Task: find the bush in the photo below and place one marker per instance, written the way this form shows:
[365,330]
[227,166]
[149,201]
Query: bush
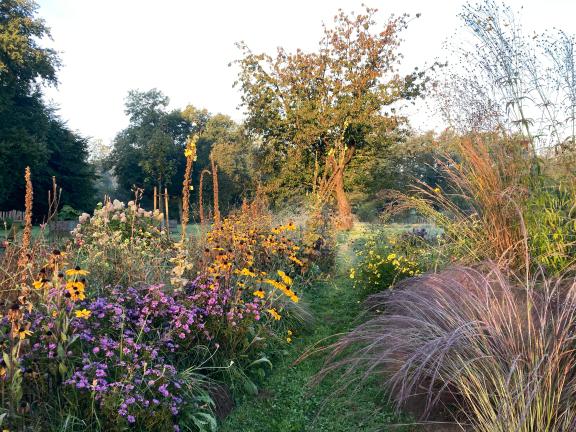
[123,245]
[369,211]
[384,261]
[551,227]
[68,213]
[319,239]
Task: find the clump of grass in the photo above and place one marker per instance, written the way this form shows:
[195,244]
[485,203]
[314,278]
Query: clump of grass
[495,350]
[480,211]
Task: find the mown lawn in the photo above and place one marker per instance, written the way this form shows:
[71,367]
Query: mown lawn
[286,402]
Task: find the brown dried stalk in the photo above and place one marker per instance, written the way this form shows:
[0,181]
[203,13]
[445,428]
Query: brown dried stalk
[155,198]
[54,196]
[215,190]
[166,207]
[27,234]
[200,197]
[186,196]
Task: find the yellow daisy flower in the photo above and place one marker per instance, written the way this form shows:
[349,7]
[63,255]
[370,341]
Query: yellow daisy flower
[83,313]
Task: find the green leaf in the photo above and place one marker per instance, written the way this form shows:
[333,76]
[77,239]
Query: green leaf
[262,360]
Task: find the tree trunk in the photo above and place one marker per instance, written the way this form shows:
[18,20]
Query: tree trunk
[344,210]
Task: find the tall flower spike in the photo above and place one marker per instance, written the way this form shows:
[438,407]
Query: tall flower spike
[190,153]
[26,236]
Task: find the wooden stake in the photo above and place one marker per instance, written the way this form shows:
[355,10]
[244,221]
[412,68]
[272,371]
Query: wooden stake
[166,207]
[155,198]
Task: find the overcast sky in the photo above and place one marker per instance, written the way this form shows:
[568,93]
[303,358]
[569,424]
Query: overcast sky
[183,47]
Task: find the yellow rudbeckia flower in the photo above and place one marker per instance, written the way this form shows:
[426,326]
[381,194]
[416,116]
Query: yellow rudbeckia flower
[274,314]
[83,313]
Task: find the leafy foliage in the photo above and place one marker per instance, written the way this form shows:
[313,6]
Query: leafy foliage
[31,134]
[320,107]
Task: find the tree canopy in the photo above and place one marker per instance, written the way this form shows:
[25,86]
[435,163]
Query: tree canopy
[31,133]
[322,107]
[150,151]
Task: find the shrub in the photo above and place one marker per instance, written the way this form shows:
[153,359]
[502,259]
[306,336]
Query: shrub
[123,245]
[369,211]
[551,227]
[498,352]
[68,213]
[319,239]
[384,261]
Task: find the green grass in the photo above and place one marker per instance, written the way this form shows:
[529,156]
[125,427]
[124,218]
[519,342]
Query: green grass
[286,402]
[192,230]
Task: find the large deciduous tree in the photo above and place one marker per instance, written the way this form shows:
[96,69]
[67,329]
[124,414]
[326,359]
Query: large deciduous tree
[321,107]
[31,134]
[149,152]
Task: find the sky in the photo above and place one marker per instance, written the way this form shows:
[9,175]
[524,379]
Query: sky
[184,47]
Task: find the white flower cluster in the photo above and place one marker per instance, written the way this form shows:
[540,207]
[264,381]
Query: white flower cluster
[116,211]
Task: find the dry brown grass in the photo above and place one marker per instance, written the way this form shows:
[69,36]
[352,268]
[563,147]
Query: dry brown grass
[480,210]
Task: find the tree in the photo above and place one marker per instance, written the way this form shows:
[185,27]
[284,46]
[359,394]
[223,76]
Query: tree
[232,152]
[22,61]
[31,134]
[149,152]
[322,107]
[105,182]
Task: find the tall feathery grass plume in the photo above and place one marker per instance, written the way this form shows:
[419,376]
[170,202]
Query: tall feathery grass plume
[479,210]
[190,153]
[484,347]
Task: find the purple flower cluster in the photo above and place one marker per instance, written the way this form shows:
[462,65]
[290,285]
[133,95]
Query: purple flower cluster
[220,301]
[135,388]
[130,345]
[136,338]
[128,353]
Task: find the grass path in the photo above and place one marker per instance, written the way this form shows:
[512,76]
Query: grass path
[286,402]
